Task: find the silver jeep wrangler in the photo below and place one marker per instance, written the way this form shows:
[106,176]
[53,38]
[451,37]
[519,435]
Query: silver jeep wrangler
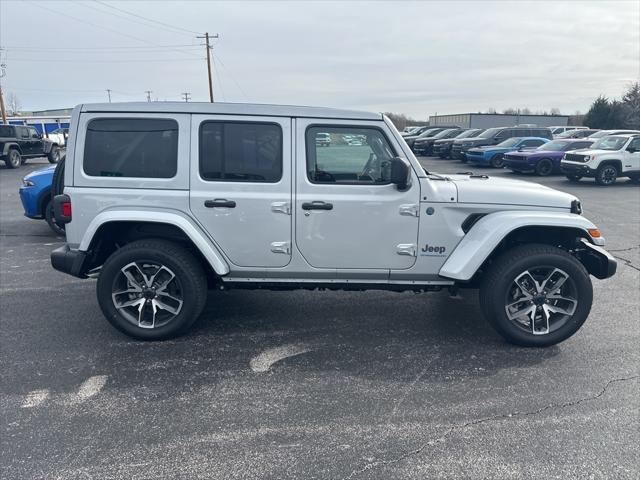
[163,201]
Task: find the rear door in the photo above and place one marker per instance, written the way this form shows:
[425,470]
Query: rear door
[241,186]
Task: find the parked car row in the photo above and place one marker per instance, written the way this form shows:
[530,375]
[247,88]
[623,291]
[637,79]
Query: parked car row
[603,155]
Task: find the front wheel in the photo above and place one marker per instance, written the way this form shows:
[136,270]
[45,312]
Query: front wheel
[573,178]
[497,161]
[536,295]
[606,174]
[544,167]
[152,289]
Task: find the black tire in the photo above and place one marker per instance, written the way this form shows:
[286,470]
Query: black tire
[464,159]
[57,182]
[14,159]
[58,229]
[544,167]
[499,281]
[573,178]
[54,154]
[607,174]
[497,161]
[189,276]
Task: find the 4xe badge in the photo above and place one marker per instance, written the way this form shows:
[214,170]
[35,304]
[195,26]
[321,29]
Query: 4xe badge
[433,251]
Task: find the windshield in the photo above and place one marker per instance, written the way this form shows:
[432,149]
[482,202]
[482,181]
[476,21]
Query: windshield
[610,143]
[430,133]
[554,146]
[510,142]
[469,133]
[445,133]
[492,132]
[600,134]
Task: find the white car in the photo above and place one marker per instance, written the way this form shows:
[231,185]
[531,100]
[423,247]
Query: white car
[557,130]
[59,136]
[163,201]
[607,159]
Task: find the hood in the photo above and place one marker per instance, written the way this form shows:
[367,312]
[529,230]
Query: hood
[589,151]
[494,190]
[442,141]
[41,174]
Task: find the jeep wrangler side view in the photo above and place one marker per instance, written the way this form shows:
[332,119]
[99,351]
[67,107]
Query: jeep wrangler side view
[18,144]
[163,201]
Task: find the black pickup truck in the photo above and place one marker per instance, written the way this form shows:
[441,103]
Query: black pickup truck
[19,143]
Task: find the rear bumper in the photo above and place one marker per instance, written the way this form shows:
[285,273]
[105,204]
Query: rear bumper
[69,261]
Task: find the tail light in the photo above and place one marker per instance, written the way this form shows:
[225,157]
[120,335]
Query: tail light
[62,208]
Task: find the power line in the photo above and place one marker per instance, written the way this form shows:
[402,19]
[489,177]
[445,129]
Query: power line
[147,19]
[99,49]
[131,60]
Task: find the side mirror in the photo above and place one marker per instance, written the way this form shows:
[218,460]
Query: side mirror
[631,149]
[400,173]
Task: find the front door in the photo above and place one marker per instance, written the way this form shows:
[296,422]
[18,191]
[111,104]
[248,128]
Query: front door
[348,214]
[241,186]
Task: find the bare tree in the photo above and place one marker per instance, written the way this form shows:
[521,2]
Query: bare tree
[13,104]
[555,111]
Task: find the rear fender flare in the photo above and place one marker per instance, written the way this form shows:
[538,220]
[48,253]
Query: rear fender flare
[487,233]
[200,239]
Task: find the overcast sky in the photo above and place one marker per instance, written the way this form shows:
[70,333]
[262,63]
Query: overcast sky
[417,58]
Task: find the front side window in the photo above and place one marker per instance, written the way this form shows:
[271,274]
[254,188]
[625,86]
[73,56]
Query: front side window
[354,156]
[131,147]
[240,152]
[33,133]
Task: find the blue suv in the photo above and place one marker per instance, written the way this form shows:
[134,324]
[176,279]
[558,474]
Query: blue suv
[493,155]
[35,194]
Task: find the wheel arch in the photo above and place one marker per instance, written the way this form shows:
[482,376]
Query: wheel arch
[45,196]
[111,230]
[615,162]
[498,232]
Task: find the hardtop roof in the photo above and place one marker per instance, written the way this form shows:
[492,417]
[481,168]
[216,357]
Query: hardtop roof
[230,109]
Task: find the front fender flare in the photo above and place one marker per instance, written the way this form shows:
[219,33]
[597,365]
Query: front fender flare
[199,238]
[490,230]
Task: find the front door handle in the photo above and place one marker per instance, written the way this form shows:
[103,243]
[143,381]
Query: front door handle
[317,206]
[220,202]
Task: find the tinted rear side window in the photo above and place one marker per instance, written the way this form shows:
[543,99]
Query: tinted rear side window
[241,152]
[131,147]
[6,132]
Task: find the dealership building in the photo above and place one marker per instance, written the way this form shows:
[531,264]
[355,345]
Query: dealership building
[488,120]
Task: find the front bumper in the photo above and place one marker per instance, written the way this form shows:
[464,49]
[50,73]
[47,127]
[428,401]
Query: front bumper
[597,260]
[29,196]
[577,169]
[519,165]
[69,261]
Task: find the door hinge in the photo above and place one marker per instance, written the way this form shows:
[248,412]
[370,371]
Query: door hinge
[281,207]
[281,247]
[410,210]
[408,249]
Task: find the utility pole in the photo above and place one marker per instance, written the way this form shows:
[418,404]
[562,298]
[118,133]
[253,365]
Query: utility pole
[4,113]
[208,47]
[148,92]
[186,96]
[109,94]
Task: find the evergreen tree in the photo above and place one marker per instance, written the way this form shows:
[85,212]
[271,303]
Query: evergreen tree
[598,114]
[631,107]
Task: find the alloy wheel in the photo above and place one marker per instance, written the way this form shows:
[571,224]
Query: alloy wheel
[147,294]
[541,300]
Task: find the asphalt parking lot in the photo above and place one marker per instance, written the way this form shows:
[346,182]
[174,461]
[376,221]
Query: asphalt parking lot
[371,385]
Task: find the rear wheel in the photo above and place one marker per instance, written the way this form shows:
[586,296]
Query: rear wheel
[544,167]
[14,159]
[54,154]
[536,295]
[152,289]
[497,161]
[606,174]
[50,218]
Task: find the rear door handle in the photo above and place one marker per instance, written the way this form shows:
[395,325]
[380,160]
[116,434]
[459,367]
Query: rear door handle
[317,206]
[220,202]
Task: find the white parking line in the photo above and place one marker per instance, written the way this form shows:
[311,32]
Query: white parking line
[262,363]
[91,386]
[35,398]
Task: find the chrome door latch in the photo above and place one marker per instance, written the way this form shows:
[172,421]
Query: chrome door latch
[410,210]
[408,249]
[281,247]
[281,207]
